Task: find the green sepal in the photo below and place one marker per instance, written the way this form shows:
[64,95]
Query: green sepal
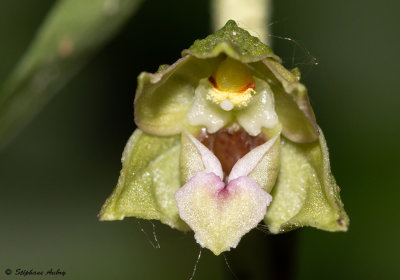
[306,193]
[164,98]
[292,104]
[232,41]
[148,181]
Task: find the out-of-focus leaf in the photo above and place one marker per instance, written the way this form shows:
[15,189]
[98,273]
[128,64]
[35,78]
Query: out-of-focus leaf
[70,35]
[148,181]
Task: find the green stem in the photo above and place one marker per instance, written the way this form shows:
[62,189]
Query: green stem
[252,15]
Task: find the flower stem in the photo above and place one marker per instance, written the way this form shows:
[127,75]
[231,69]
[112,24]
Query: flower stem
[250,14]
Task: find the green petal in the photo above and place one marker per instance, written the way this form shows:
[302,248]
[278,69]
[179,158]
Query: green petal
[163,99]
[306,193]
[232,41]
[291,101]
[148,181]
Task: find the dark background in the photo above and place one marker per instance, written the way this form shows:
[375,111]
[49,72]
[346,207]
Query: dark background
[56,174]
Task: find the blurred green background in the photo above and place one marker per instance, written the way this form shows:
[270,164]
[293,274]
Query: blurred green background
[55,175]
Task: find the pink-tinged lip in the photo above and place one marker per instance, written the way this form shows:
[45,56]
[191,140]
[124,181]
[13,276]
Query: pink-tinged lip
[221,215]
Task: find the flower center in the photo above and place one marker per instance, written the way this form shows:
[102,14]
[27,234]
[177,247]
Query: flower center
[232,84]
[233,76]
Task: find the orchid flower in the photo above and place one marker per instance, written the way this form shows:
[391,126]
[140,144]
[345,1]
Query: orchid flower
[226,139]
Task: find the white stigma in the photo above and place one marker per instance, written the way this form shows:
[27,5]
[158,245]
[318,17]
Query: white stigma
[226,105]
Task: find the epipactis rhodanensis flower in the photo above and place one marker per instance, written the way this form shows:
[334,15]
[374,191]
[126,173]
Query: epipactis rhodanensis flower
[227,138]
